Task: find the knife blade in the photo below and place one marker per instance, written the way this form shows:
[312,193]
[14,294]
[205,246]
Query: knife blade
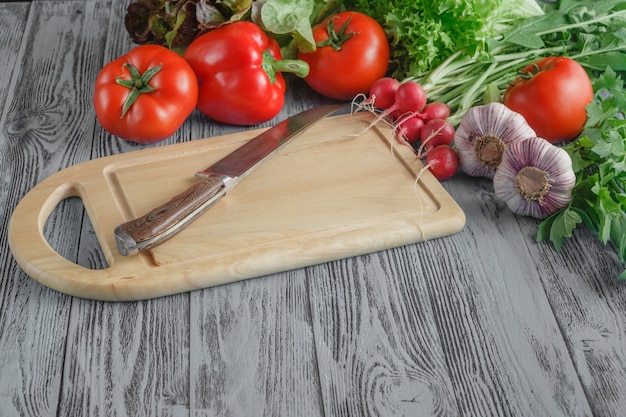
[163,222]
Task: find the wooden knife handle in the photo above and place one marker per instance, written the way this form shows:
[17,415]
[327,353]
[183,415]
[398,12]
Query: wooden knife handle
[165,221]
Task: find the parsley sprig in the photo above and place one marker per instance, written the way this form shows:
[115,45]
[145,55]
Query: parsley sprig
[599,161]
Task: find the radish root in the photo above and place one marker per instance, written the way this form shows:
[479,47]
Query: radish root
[426,167]
[420,152]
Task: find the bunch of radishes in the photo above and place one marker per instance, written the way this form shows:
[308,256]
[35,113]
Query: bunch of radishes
[418,124]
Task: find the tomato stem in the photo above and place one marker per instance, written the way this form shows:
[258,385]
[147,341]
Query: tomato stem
[336,39]
[138,84]
[529,73]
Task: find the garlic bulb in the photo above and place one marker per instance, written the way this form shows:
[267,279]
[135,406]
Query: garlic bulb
[483,135]
[535,178]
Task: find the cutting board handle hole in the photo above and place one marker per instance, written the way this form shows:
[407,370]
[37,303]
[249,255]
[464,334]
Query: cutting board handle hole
[70,232]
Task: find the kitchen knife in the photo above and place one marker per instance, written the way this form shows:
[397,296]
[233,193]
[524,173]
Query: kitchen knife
[165,221]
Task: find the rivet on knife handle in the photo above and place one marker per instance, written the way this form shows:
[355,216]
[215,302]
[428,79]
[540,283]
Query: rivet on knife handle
[163,222]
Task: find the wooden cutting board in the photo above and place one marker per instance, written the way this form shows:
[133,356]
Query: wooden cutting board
[331,193]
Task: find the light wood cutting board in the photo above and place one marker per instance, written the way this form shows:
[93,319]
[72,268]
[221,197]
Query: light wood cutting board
[331,193]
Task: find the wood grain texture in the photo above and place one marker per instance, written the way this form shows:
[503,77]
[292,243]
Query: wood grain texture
[127,359]
[501,303]
[38,110]
[589,305]
[252,350]
[378,350]
[251,342]
[13,21]
[483,323]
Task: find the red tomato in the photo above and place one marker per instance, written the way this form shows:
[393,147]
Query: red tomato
[552,95]
[145,95]
[352,53]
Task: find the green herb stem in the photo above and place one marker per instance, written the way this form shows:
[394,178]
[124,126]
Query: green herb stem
[585,23]
[460,81]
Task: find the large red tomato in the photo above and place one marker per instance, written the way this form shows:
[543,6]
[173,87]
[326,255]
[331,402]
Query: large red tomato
[552,94]
[145,95]
[352,52]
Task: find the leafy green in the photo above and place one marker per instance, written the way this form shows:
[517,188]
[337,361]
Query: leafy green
[176,23]
[289,16]
[599,161]
[425,32]
[560,226]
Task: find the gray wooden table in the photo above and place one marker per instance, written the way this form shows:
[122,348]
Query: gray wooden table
[482,323]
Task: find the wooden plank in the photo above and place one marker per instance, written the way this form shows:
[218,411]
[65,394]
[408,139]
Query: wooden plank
[127,359]
[32,318]
[377,346]
[589,304]
[521,365]
[252,349]
[104,347]
[12,23]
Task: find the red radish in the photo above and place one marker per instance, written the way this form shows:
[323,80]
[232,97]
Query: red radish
[436,110]
[410,98]
[409,129]
[437,132]
[443,162]
[383,92]
[395,116]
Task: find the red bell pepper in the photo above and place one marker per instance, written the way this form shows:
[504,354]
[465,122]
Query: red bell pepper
[239,73]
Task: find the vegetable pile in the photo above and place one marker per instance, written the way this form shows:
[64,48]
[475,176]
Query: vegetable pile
[459,69]
[416,123]
[233,74]
[595,36]
[454,48]
[526,93]
[238,64]
[425,32]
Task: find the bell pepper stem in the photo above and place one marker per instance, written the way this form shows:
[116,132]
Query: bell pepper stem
[272,66]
